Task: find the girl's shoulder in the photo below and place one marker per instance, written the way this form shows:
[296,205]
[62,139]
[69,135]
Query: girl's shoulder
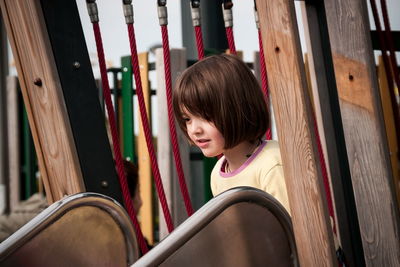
[271,148]
[270,156]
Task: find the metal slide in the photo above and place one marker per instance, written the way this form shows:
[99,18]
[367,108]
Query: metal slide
[86,229]
[240,227]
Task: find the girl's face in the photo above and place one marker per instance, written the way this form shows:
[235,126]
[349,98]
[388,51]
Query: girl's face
[205,135]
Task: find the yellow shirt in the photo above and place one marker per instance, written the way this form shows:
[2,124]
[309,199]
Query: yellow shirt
[262,170]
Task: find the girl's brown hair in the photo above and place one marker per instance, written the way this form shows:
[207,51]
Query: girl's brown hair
[223,90]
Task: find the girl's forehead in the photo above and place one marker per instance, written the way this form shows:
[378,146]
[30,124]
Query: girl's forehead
[186,111]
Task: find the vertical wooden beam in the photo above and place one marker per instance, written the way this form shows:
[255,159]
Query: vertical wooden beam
[293,114]
[389,124]
[330,125]
[13,147]
[43,98]
[3,118]
[367,148]
[179,64]
[80,96]
[164,152]
[145,174]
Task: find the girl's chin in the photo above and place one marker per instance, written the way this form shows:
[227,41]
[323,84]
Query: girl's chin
[210,154]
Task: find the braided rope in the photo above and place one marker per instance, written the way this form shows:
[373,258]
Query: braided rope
[115,140]
[231,40]
[171,120]
[146,129]
[199,42]
[264,80]
[387,66]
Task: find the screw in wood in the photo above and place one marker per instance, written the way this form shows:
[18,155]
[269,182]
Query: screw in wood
[37,82]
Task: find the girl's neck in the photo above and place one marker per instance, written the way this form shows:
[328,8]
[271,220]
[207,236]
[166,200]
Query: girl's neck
[238,155]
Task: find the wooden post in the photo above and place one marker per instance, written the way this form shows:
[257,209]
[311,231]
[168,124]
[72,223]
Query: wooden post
[293,114]
[44,101]
[330,125]
[3,119]
[145,174]
[13,147]
[366,143]
[389,125]
[164,152]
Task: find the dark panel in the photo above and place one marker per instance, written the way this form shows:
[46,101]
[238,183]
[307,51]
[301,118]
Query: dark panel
[81,97]
[341,180]
[213,29]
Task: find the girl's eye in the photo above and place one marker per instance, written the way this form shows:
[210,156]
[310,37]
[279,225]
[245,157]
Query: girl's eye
[186,119]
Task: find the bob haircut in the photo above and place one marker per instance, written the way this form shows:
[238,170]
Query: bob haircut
[222,89]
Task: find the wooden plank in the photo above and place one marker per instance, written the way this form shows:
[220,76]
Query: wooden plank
[3,119]
[58,162]
[330,128]
[366,143]
[178,65]
[389,125]
[164,152]
[13,148]
[297,141]
[144,164]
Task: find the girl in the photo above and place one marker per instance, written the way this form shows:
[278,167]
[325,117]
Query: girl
[220,107]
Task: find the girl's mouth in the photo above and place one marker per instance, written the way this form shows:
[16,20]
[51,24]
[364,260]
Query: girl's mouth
[202,143]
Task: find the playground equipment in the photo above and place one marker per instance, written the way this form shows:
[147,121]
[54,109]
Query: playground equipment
[344,74]
[85,229]
[92,230]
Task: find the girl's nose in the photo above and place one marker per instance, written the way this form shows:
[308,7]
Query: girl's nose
[195,127]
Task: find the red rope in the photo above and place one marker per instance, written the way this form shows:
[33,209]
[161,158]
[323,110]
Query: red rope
[264,80]
[231,41]
[115,140]
[395,108]
[199,42]
[172,128]
[389,39]
[146,129]
[324,174]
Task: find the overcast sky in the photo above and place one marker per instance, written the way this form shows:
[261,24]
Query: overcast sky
[148,33]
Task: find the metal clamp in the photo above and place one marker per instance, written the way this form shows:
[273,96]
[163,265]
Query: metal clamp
[92,10]
[196,15]
[162,15]
[128,12]
[256,19]
[227,12]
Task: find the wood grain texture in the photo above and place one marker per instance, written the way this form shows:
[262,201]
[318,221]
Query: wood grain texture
[145,174]
[296,137]
[48,118]
[164,145]
[366,143]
